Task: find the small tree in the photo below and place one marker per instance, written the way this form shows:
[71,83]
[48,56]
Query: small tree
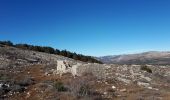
[8,43]
[57,51]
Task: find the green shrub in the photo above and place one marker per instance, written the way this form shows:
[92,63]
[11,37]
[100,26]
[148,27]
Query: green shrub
[84,90]
[3,77]
[60,87]
[146,68]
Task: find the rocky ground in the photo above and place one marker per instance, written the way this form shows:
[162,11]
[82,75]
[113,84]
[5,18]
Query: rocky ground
[29,75]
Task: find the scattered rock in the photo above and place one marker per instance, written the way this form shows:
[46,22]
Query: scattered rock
[143,84]
[123,90]
[124,80]
[113,87]
[105,93]
[150,88]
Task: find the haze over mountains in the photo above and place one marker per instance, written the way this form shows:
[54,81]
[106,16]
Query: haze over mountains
[151,57]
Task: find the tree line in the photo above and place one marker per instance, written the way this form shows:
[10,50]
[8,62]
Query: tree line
[51,50]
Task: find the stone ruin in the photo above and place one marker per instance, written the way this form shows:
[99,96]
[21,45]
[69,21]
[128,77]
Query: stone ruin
[79,68]
[63,67]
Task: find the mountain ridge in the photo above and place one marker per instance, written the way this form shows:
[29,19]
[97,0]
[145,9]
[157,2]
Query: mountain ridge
[150,57]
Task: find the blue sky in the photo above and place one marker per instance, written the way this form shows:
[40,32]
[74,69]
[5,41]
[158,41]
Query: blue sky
[90,27]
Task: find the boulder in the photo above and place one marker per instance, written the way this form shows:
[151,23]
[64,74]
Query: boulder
[113,87]
[143,84]
[123,90]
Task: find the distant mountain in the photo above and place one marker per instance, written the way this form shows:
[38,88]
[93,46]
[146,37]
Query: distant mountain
[151,57]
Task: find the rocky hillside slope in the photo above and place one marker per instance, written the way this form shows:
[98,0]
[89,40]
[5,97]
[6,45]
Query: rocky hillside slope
[30,75]
[153,57]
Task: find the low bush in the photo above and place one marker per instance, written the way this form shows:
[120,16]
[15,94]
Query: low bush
[3,77]
[84,90]
[146,68]
[60,86]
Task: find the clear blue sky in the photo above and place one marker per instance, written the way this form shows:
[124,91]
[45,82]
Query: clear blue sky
[90,27]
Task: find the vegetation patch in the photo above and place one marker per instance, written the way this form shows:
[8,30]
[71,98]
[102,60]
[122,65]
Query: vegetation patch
[146,68]
[60,86]
[3,77]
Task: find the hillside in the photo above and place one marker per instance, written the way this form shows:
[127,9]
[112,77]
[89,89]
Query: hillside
[50,50]
[32,75]
[152,57]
